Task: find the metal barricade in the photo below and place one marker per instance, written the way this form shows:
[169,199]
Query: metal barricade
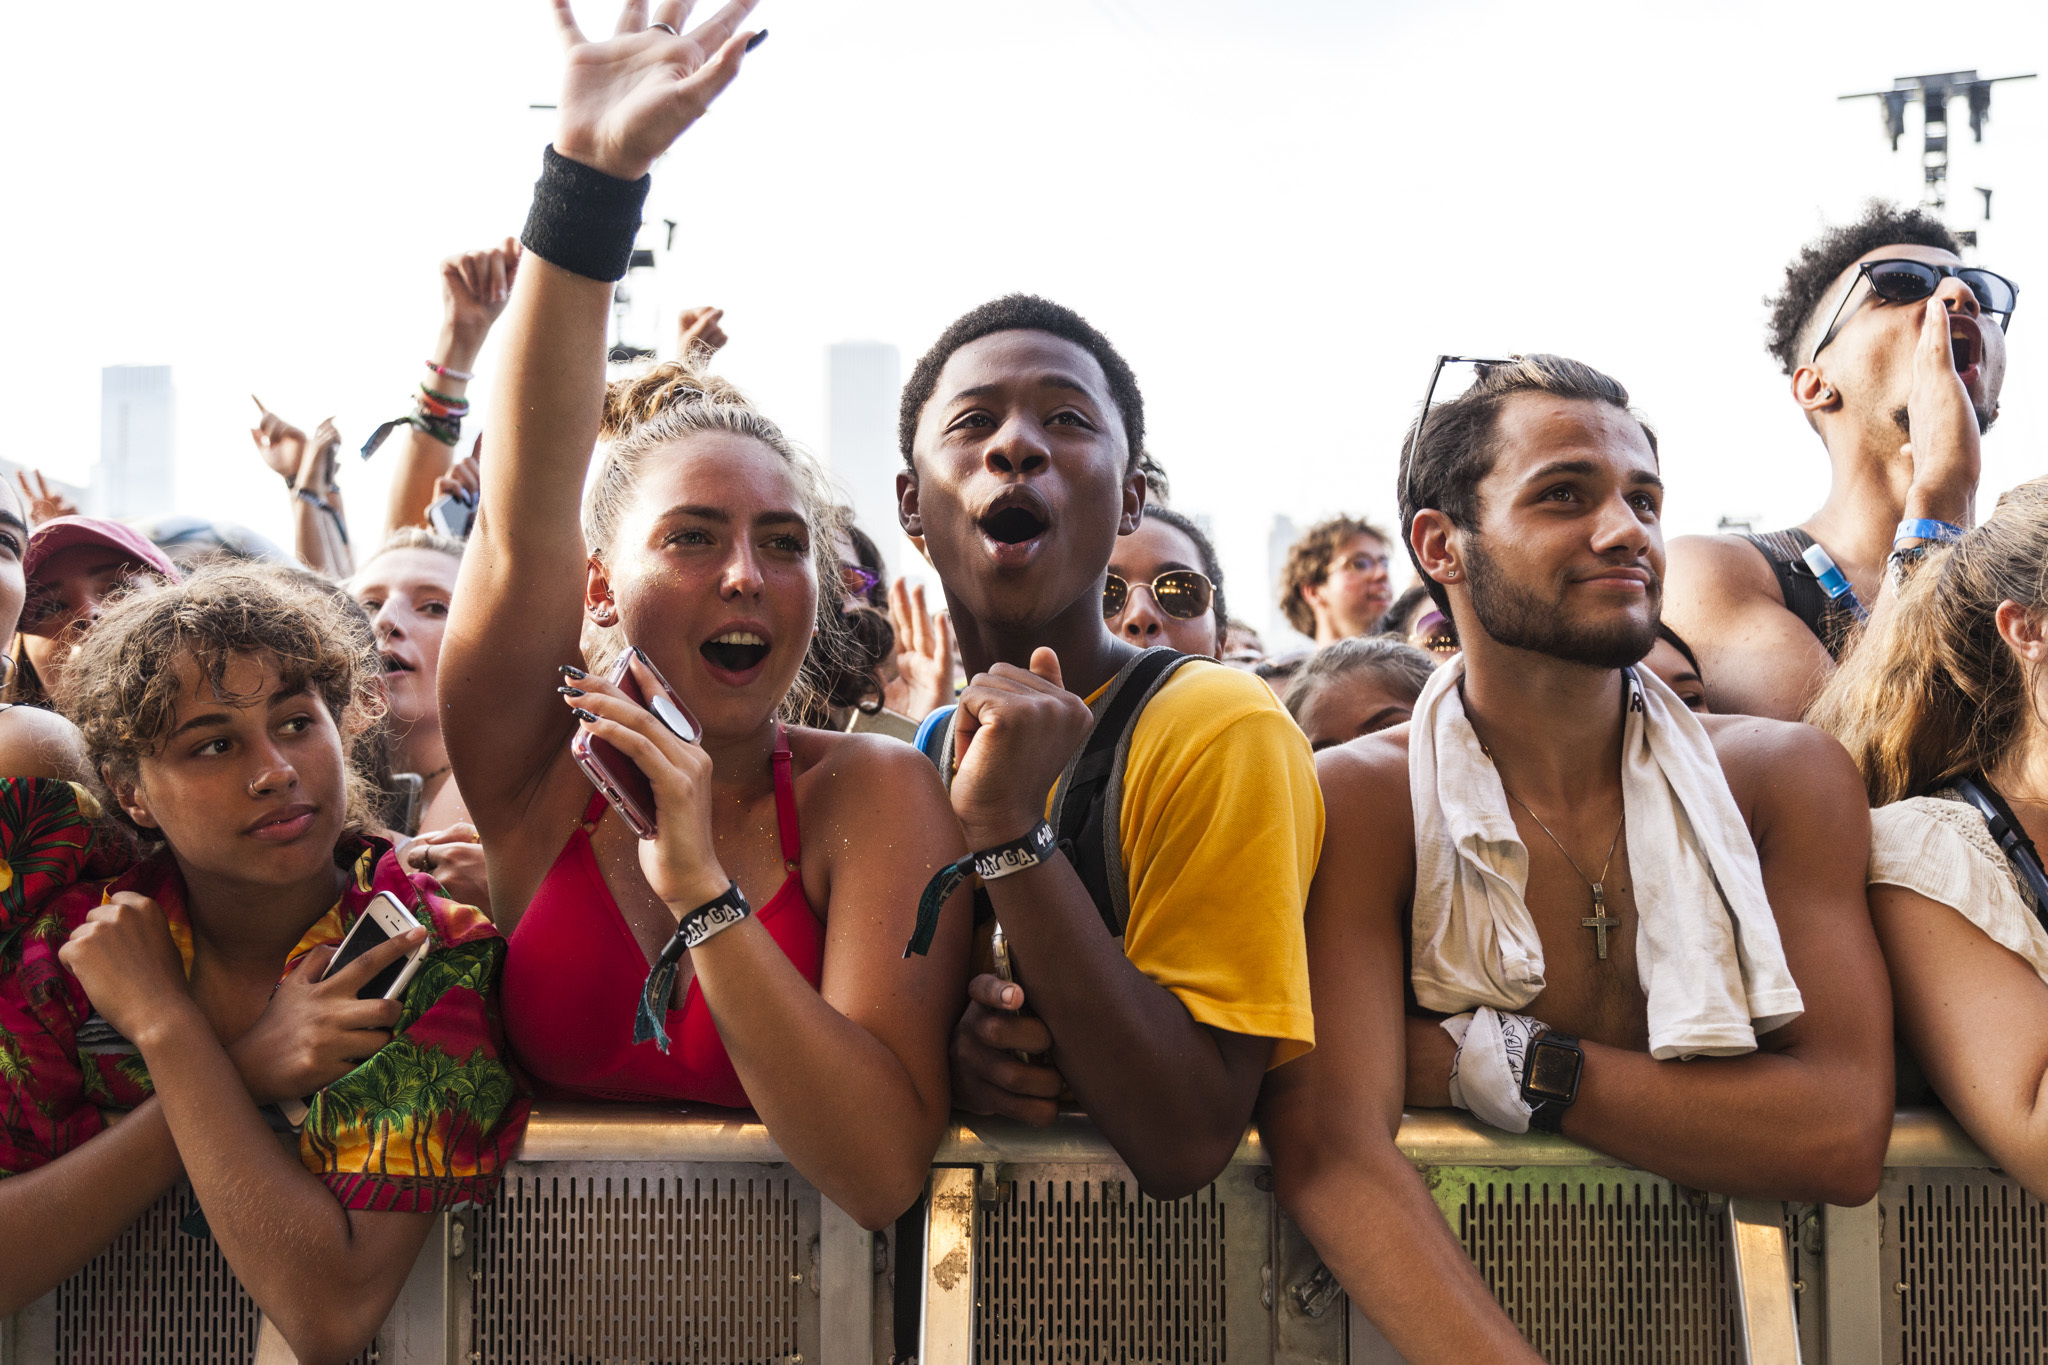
[628,1234]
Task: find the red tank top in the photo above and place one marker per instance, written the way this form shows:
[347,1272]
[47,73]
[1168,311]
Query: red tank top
[573,973]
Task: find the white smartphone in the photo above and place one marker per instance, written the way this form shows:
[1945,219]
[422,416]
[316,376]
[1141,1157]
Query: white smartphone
[382,920]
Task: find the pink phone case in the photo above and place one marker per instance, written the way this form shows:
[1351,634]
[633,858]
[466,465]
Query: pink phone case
[610,771]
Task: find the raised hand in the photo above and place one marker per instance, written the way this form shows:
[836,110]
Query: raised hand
[681,860]
[1017,729]
[626,100]
[1946,444]
[42,501]
[282,445]
[317,469]
[924,654]
[475,286]
[462,478]
[697,330]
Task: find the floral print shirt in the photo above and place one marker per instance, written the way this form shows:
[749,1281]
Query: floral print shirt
[426,1124]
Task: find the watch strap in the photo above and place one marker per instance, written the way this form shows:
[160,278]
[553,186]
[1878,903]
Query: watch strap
[1546,1111]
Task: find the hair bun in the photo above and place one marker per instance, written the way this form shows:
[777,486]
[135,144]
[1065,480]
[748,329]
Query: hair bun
[638,399]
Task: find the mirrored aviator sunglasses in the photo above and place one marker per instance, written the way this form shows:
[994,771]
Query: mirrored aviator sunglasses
[1181,593]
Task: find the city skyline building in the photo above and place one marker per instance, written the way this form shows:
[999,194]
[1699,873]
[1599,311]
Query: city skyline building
[136,470]
[862,379]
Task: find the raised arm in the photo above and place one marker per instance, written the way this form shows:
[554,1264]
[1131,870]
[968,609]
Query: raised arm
[518,610]
[1331,1117]
[475,286]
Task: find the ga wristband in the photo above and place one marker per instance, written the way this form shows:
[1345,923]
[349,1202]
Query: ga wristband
[708,920]
[1926,528]
[990,864]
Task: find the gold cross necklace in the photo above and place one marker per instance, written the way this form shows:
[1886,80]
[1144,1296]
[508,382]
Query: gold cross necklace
[1599,921]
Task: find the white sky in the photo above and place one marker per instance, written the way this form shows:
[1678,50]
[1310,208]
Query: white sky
[1279,212]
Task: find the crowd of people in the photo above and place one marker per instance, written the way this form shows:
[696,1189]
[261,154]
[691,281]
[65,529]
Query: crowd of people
[685,800]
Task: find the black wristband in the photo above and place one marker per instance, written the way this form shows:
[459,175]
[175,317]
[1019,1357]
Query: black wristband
[584,220]
[714,916]
[990,864]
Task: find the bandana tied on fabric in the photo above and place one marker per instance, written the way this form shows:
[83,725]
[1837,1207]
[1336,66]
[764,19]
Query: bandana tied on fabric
[1707,948]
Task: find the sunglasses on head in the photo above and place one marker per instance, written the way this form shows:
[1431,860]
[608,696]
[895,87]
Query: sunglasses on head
[1902,281]
[1181,593]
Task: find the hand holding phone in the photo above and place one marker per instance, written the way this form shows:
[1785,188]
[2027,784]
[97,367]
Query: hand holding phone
[610,771]
[335,1008]
[637,742]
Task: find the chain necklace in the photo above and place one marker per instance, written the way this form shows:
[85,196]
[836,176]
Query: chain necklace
[1599,921]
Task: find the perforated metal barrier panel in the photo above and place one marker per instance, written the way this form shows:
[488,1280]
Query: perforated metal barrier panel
[1968,1251]
[1599,1265]
[1074,1264]
[618,1261]
[630,1236]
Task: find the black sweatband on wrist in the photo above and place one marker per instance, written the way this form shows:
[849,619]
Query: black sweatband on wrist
[584,220]
[990,864]
[713,917]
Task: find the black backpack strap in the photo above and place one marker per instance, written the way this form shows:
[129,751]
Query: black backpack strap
[2011,838]
[1087,802]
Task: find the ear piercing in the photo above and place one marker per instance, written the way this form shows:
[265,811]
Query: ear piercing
[1451,573]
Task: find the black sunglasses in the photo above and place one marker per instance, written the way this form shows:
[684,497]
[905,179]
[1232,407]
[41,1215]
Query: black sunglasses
[1900,281]
[1181,593]
[1415,438]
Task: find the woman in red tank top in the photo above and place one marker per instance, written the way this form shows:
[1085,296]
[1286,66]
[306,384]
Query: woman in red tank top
[707,542]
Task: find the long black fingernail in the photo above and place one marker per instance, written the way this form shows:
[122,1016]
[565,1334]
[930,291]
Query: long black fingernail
[582,714]
[757,40]
[570,691]
[571,670]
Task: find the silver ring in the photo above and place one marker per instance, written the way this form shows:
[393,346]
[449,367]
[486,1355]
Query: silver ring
[668,28]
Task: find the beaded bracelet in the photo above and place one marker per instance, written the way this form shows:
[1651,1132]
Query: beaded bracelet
[447,373]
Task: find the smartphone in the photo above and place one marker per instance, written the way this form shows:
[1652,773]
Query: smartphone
[452,515]
[382,920]
[610,771]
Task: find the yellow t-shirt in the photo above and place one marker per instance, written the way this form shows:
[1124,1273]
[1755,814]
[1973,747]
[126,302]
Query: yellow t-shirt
[1221,826]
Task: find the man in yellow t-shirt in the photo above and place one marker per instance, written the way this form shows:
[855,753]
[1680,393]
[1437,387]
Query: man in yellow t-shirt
[1022,431]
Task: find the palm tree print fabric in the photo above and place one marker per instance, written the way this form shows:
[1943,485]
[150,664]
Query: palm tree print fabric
[424,1125]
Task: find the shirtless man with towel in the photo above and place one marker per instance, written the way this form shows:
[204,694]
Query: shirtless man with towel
[1639,927]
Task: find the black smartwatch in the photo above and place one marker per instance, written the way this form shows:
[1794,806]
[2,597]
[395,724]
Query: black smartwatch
[1550,1079]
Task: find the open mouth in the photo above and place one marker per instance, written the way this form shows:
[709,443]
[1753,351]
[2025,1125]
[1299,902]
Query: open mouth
[736,651]
[393,664]
[1965,343]
[1013,525]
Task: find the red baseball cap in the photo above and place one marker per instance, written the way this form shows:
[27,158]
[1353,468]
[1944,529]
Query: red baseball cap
[58,534]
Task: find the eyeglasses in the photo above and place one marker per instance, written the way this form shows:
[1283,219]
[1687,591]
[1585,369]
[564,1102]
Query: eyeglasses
[1415,440]
[1364,563]
[1181,593]
[857,580]
[1901,281]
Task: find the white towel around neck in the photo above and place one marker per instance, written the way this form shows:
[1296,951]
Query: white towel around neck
[1707,949]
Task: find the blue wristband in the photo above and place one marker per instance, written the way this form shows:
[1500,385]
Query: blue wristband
[1926,528]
